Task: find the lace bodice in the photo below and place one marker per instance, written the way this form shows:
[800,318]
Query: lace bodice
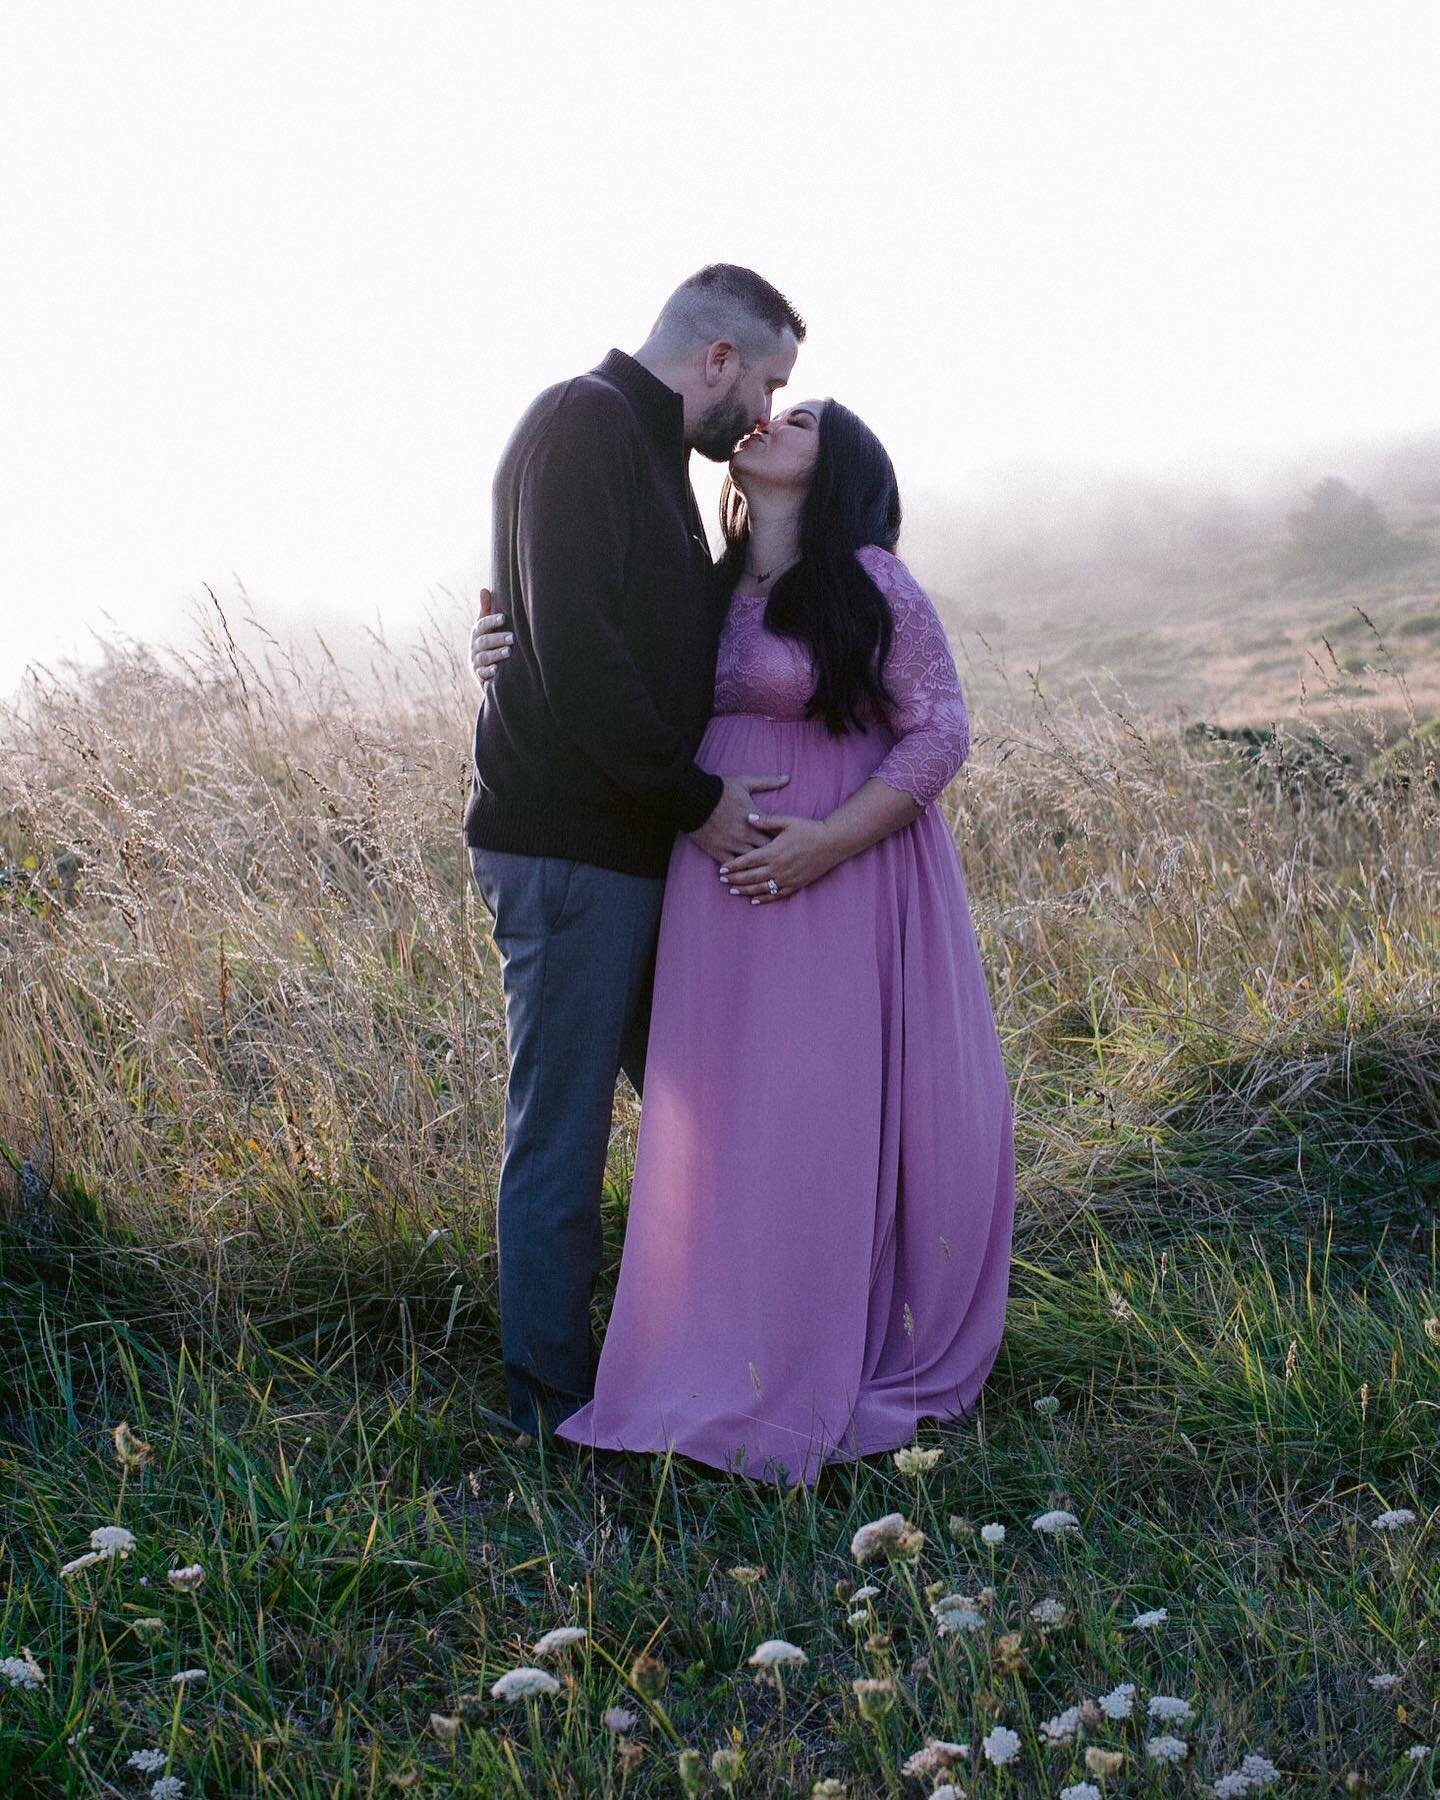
[757,672]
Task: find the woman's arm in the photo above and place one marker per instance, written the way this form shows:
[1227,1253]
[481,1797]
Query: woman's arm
[932,730]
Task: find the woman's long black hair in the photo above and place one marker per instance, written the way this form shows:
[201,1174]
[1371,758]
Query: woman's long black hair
[827,602]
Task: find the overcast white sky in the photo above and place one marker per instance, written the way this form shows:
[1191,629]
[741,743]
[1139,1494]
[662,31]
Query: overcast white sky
[278,278]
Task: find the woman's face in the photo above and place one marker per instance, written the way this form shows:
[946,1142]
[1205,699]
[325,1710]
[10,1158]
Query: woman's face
[781,454]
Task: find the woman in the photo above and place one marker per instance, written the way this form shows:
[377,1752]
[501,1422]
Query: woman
[818,1244]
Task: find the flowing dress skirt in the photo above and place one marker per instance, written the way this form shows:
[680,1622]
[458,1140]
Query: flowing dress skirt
[817,1251]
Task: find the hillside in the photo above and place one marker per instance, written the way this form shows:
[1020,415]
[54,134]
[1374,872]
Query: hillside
[1195,616]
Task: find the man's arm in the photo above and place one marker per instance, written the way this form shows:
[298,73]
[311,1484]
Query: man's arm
[728,831]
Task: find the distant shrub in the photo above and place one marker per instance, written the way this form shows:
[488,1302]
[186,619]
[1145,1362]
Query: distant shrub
[1340,533]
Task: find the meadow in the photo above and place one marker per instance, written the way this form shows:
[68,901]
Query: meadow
[251,1079]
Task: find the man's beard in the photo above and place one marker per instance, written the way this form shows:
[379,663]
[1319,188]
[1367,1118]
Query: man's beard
[721,429]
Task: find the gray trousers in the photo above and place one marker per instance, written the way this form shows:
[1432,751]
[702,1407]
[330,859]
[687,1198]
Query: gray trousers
[577,945]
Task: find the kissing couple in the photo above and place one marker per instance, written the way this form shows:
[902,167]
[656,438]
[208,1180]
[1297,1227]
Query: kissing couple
[704,821]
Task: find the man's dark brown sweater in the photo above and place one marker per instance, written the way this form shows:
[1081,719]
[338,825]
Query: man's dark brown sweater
[585,741]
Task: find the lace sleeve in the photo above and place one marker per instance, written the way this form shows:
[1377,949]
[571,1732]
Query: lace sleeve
[930,719]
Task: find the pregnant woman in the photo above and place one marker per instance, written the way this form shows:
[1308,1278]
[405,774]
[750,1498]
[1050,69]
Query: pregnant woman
[817,1252]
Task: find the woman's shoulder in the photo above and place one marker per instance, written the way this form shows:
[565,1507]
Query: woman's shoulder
[889,573]
[876,559]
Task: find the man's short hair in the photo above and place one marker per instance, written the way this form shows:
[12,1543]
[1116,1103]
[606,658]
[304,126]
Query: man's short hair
[724,300]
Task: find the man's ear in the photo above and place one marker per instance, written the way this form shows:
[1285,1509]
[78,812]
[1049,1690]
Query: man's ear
[721,361]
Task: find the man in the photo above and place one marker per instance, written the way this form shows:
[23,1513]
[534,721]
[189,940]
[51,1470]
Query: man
[584,769]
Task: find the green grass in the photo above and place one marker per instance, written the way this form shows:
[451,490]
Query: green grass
[372,1555]
[251,1068]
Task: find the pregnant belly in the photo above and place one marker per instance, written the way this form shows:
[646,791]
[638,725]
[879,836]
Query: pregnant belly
[823,770]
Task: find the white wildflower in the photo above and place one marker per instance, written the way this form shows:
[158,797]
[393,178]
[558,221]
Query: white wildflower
[146,1761]
[874,1695]
[857,1618]
[892,1535]
[1055,1523]
[936,1754]
[1251,1775]
[912,1460]
[1144,1621]
[1049,1611]
[1119,1702]
[1171,1708]
[992,1534]
[947,1790]
[22,1671]
[1254,1772]
[523,1684]
[1382,1682]
[619,1718]
[81,1562]
[1080,1790]
[1418,1752]
[188,1677]
[864,1593]
[111,1540]
[168,1787]
[186,1580]
[775,1653]
[1002,1744]
[956,1612]
[1062,1728]
[1392,1521]
[1047,1405]
[561,1638]
[1166,1749]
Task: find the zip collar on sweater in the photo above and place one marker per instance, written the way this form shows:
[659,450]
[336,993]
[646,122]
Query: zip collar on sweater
[659,405]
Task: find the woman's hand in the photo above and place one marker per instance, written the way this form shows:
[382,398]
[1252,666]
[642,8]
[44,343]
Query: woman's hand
[799,852]
[489,645]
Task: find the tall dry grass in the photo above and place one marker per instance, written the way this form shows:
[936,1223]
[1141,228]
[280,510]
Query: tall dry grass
[248,1004]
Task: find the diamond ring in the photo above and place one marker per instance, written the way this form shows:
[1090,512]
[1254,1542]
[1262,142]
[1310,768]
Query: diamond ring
[773,885]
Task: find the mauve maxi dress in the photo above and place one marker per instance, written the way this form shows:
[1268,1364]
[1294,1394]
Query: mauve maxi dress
[817,1253]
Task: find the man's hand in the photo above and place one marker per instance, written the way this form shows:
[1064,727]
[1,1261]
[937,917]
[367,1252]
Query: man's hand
[799,851]
[489,644]
[730,830]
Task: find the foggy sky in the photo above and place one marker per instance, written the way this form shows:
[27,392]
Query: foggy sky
[279,278]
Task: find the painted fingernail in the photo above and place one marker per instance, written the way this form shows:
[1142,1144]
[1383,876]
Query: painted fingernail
[506,651]
[725,870]
[752,818]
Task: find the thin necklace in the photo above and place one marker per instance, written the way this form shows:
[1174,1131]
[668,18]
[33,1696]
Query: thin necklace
[777,570]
